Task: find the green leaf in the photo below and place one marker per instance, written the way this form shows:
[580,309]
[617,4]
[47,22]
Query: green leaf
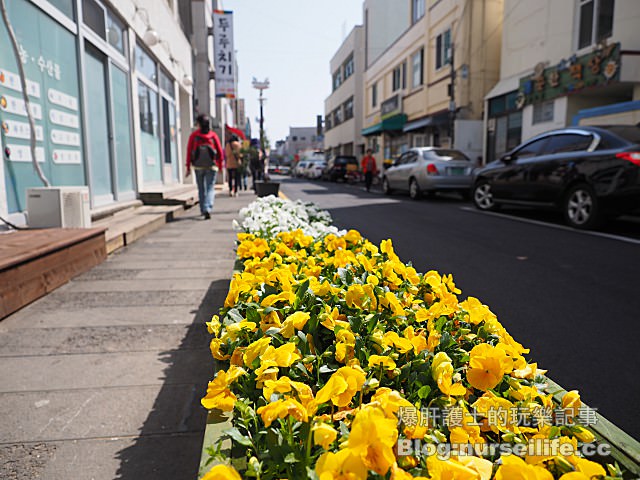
[424,392]
[235,315]
[253,315]
[235,434]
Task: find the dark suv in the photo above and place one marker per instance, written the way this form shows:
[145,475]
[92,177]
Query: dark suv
[338,166]
[585,172]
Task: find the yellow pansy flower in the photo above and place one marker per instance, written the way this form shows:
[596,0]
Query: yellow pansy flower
[442,373]
[218,393]
[373,437]
[293,322]
[487,366]
[324,435]
[380,360]
[222,472]
[449,469]
[255,349]
[281,409]
[418,340]
[215,345]
[342,465]
[402,345]
[342,386]
[514,468]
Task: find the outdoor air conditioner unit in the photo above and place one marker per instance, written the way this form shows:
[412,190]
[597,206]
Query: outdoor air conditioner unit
[58,207]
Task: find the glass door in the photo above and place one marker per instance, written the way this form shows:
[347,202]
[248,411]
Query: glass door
[169,140]
[98,131]
[122,144]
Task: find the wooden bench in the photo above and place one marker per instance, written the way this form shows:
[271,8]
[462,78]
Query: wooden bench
[35,262]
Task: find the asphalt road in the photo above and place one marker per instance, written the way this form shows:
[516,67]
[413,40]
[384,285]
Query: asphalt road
[572,297]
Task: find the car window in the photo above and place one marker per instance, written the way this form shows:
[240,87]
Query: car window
[531,149]
[402,159]
[567,142]
[412,157]
[447,154]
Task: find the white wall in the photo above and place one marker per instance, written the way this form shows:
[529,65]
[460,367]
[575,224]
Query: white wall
[387,21]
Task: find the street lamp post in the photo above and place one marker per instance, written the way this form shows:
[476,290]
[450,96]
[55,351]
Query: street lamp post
[261,86]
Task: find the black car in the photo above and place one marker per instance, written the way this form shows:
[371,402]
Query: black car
[338,166]
[588,173]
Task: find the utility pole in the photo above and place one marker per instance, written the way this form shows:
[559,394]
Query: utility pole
[452,95]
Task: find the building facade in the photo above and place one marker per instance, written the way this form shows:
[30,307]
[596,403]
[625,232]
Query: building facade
[582,67]
[300,140]
[343,108]
[111,87]
[428,86]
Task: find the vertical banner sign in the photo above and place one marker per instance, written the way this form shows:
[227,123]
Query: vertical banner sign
[224,53]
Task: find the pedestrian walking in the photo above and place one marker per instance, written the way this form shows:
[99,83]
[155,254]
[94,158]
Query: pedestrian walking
[369,168]
[255,166]
[205,157]
[232,154]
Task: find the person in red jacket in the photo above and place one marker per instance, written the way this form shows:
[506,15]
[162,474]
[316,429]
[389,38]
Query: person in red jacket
[369,168]
[206,157]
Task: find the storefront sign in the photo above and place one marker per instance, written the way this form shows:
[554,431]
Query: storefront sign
[390,107]
[224,53]
[595,69]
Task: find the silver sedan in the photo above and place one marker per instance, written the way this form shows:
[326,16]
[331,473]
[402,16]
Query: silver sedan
[427,170]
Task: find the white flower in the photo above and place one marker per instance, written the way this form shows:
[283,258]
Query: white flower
[270,215]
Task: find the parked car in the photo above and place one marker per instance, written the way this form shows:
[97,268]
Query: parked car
[585,172]
[314,169]
[298,170]
[338,166]
[427,170]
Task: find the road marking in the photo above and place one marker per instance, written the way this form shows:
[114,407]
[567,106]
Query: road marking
[551,225]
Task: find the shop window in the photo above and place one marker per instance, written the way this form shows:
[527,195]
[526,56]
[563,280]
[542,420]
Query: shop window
[145,65]
[93,17]
[166,84]
[596,21]
[543,112]
[416,66]
[116,33]
[148,105]
[65,6]
[443,49]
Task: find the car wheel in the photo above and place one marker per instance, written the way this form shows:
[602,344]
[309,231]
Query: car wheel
[414,189]
[483,196]
[386,189]
[580,208]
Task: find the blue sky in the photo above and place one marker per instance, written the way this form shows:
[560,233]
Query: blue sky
[290,42]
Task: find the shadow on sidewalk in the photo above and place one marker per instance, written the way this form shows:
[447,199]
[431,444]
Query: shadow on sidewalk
[170,441]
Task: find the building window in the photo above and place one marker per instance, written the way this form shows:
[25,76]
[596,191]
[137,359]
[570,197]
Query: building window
[145,65]
[348,67]
[327,122]
[596,21]
[397,78]
[374,95]
[148,105]
[543,112]
[337,116]
[93,17]
[417,10]
[443,49]
[337,79]
[416,68]
[348,109]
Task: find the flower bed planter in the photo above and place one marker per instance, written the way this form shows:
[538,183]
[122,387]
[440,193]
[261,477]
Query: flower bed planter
[333,352]
[264,189]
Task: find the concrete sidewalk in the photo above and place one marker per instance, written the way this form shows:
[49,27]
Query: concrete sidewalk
[102,378]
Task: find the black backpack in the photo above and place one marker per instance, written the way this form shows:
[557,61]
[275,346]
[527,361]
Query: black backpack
[203,154]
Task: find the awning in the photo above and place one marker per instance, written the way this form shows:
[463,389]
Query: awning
[236,131]
[430,121]
[505,85]
[394,123]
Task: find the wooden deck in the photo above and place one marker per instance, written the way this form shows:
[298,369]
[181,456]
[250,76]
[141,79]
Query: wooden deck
[35,262]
